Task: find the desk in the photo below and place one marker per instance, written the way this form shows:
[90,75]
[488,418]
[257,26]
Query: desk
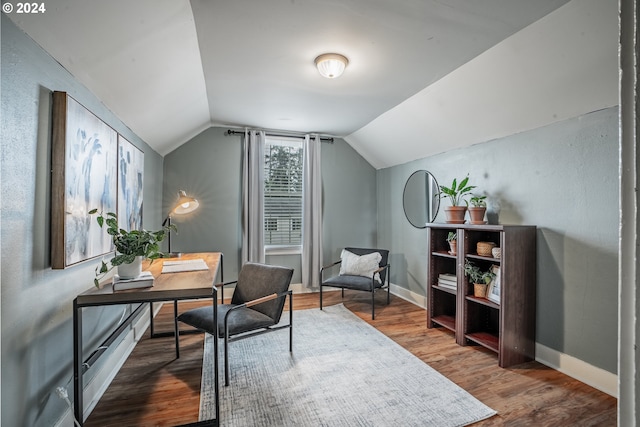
[167,287]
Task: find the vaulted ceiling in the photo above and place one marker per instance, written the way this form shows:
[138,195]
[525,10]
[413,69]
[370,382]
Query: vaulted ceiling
[171,68]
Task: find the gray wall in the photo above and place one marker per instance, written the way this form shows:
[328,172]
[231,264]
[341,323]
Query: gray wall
[37,335]
[563,178]
[209,167]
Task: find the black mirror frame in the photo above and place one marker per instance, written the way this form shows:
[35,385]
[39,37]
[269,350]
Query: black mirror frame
[432,196]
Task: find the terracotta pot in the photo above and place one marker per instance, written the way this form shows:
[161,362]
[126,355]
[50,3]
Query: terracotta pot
[477,214]
[453,245]
[455,214]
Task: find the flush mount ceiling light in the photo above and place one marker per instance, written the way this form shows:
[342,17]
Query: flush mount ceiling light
[331,65]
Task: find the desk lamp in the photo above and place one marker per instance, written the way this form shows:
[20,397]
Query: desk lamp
[184,205]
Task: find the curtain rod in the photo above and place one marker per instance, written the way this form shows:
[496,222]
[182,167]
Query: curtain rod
[282,135]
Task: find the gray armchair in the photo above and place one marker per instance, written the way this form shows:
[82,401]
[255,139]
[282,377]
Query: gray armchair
[256,307]
[355,277]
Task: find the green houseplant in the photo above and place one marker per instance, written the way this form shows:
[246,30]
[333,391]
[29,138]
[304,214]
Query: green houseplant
[452,238]
[479,278]
[131,247]
[477,209]
[456,193]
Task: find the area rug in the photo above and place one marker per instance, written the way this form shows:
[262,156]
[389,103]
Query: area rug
[342,372]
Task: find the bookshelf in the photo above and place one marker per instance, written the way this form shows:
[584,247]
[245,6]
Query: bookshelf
[506,326]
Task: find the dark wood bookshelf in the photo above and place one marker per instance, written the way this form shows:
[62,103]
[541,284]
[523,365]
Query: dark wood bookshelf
[506,328]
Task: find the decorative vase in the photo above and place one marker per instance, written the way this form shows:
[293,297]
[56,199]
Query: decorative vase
[496,252]
[132,270]
[477,214]
[455,214]
[453,245]
[480,290]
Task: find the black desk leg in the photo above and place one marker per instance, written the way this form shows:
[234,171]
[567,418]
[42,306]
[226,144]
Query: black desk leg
[176,333]
[78,391]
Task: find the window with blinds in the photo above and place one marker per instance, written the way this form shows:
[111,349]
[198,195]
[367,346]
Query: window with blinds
[282,192]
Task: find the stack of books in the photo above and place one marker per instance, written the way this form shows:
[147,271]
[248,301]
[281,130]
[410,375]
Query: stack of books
[144,280]
[449,281]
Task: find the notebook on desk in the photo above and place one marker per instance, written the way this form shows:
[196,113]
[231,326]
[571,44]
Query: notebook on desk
[184,265]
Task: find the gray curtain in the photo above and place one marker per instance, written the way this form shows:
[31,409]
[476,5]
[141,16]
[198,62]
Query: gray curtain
[311,213]
[252,197]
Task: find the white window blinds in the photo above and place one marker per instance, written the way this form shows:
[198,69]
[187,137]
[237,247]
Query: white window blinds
[283,192]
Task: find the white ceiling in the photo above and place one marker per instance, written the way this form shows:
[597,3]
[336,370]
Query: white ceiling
[171,68]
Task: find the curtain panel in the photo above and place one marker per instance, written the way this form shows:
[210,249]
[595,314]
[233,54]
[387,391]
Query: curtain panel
[311,212]
[252,197]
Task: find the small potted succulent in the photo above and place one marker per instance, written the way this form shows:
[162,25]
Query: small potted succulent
[477,209]
[479,278]
[456,212]
[452,238]
[131,247]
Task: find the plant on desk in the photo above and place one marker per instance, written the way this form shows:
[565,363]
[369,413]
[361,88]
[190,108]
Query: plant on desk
[131,247]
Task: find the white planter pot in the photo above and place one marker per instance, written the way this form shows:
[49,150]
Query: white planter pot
[132,270]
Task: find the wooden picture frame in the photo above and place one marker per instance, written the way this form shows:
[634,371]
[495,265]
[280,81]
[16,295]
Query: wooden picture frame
[130,185]
[493,291]
[83,177]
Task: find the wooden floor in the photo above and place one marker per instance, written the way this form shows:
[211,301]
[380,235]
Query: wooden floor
[155,389]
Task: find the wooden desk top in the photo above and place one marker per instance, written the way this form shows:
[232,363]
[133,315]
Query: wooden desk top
[167,286]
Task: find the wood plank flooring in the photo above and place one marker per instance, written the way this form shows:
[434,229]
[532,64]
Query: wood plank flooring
[155,389]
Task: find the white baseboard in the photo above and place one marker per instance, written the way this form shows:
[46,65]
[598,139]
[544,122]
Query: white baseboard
[407,295]
[582,371]
[94,390]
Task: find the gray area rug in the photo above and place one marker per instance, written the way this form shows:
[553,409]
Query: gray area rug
[342,372]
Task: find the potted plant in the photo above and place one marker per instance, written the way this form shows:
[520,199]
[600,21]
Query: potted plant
[477,209]
[452,238]
[455,213]
[131,247]
[479,278]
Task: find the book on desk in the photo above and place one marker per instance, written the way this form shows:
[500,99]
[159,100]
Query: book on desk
[144,280]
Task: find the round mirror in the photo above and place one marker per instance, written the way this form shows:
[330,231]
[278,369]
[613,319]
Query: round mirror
[421,198]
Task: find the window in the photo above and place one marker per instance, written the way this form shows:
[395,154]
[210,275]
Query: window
[282,192]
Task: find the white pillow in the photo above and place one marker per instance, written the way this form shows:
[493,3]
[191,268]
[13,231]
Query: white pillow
[356,265]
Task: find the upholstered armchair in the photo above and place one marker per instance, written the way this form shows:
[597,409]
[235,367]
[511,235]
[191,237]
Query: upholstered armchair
[360,270]
[256,307]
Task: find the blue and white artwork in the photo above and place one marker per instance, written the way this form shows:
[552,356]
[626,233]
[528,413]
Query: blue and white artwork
[130,175]
[90,183]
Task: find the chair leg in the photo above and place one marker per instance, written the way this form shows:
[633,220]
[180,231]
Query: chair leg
[373,305]
[291,323]
[226,356]
[342,290]
[320,296]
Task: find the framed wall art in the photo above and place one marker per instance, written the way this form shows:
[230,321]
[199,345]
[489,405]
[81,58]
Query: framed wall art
[130,177]
[84,177]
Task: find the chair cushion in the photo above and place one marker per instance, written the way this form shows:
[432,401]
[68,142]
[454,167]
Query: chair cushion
[240,320]
[360,265]
[359,283]
[200,318]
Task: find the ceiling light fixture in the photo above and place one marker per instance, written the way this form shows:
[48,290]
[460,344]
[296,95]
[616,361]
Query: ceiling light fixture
[331,65]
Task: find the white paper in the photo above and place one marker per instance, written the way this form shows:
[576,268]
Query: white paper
[184,265]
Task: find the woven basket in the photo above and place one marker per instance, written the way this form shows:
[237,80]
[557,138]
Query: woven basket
[480,290]
[484,248]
